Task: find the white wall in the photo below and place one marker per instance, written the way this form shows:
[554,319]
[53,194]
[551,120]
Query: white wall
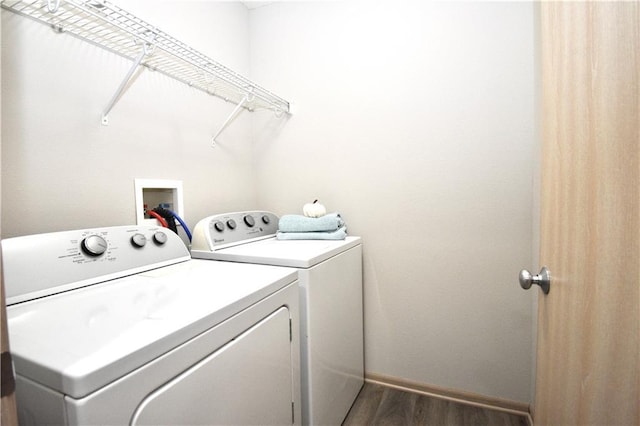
[536,160]
[415,120]
[0,141]
[61,169]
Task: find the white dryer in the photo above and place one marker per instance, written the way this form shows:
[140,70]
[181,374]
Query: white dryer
[119,326]
[331,311]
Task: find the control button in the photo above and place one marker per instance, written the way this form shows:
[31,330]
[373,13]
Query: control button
[160,237]
[138,240]
[94,245]
[231,224]
[265,219]
[249,221]
[219,226]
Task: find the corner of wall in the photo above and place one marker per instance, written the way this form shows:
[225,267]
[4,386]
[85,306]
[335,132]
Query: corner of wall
[536,185]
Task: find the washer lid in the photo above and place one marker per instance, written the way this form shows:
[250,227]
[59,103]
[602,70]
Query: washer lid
[292,253]
[77,342]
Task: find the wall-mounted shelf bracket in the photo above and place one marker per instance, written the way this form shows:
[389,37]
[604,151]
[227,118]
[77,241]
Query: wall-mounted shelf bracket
[147,49]
[247,98]
[53,5]
[102,23]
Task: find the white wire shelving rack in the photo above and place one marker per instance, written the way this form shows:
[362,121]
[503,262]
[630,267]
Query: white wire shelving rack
[104,24]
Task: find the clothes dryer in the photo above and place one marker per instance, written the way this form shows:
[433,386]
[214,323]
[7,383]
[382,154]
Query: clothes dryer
[119,326]
[331,311]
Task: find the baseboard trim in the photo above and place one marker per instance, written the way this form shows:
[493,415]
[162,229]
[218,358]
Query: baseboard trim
[469,398]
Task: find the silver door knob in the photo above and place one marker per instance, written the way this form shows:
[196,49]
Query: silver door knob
[543,279]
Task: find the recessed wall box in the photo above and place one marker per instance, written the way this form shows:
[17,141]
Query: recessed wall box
[150,193]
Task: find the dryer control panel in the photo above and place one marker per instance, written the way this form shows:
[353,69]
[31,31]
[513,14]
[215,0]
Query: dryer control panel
[43,264]
[223,230]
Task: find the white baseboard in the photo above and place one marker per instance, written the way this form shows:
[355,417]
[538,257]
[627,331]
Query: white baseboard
[468,398]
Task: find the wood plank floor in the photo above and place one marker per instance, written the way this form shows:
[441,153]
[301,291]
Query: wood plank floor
[382,405]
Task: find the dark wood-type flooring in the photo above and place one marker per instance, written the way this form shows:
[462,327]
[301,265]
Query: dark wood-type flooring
[382,405]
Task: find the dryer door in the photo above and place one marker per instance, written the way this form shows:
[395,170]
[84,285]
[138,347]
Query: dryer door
[247,381]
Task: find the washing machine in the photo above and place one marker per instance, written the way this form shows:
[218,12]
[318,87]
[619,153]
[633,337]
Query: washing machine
[120,326]
[331,311]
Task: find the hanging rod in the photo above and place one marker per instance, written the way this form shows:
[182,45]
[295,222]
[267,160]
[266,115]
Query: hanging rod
[106,25]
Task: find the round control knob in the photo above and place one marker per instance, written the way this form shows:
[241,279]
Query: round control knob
[94,245]
[249,221]
[231,224]
[160,237]
[219,226]
[265,219]
[138,240]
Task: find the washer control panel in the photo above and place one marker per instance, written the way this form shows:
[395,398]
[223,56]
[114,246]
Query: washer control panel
[44,264]
[219,231]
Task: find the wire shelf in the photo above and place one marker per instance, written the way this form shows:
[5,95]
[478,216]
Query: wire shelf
[106,25]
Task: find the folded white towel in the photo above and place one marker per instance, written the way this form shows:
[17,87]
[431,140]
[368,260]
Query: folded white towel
[339,234]
[297,223]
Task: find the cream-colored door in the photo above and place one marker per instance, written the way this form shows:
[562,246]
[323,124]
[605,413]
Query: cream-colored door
[588,325]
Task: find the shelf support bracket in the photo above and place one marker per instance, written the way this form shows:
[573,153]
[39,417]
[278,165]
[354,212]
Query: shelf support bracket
[146,50]
[247,98]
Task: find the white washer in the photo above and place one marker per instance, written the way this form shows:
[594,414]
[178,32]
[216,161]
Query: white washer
[119,326]
[331,313]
